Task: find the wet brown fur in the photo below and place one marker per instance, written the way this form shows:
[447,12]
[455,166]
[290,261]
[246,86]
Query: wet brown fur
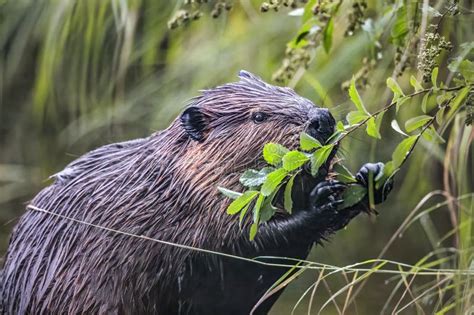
[164,187]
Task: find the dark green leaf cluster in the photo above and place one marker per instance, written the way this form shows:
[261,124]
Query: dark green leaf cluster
[264,184]
[284,164]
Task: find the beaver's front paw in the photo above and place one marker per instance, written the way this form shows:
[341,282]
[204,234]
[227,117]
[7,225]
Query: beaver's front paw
[380,193]
[326,197]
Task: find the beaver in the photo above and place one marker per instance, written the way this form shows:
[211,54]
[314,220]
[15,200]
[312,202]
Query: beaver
[165,187]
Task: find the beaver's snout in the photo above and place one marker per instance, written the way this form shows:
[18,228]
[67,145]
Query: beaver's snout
[321,124]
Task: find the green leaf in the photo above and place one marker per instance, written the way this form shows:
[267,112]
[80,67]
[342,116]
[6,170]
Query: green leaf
[272,181]
[241,202]
[397,128]
[308,143]
[257,207]
[256,216]
[294,159]
[440,115]
[268,210]
[378,120]
[355,98]
[242,214]
[273,153]
[444,98]
[288,201]
[253,231]
[308,12]
[343,174]
[372,129]
[300,39]
[434,77]
[462,65]
[389,169]
[402,150]
[319,158]
[254,178]
[352,196]
[356,117]
[335,137]
[402,100]
[424,102]
[387,172]
[431,135]
[458,100]
[340,126]
[400,27]
[417,122]
[416,85]
[466,68]
[396,89]
[327,35]
[229,193]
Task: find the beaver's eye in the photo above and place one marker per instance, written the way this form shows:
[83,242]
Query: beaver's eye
[258,117]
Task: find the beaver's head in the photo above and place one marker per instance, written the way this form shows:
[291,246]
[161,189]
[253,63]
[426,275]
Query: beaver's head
[231,123]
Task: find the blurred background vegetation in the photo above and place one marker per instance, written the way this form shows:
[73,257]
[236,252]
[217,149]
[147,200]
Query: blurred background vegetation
[75,75]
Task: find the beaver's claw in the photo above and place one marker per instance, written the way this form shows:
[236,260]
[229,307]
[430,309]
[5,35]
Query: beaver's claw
[376,169]
[326,196]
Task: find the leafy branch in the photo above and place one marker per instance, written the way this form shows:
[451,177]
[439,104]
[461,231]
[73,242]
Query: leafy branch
[397,102]
[284,165]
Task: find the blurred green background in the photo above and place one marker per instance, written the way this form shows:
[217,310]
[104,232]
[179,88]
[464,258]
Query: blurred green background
[75,75]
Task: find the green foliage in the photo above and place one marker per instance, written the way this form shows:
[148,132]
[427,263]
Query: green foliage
[352,196]
[273,181]
[356,99]
[401,26]
[239,203]
[80,74]
[319,157]
[254,178]
[373,129]
[417,122]
[273,153]
[289,163]
[402,150]
[293,160]
[265,183]
[415,84]
[327,35]
[356,117]
[288,201]
[308,143]
[343,174]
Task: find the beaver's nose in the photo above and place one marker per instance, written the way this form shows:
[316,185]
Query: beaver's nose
[321,124]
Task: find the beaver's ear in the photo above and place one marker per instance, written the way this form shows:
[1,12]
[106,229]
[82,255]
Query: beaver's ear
[251,79]
[194,123]
[245,75]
